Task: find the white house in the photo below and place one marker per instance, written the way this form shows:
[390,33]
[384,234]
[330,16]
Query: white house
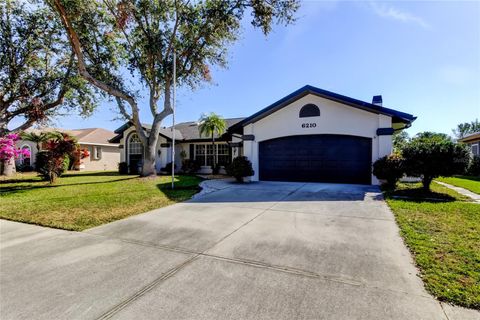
[309,135]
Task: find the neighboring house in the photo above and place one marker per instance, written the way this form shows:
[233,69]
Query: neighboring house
[309,135]
[473,140]
[103,155]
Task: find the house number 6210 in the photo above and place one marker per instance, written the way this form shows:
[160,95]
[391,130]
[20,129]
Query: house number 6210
[309,125]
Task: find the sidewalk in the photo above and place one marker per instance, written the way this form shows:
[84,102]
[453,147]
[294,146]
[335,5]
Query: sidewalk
[475,197]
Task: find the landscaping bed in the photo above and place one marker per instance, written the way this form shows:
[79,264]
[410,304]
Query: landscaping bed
[444,238]
[78,201]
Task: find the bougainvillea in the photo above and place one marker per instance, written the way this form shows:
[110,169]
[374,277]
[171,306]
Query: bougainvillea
[8,150]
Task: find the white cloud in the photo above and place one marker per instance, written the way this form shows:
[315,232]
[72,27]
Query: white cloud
[387,11]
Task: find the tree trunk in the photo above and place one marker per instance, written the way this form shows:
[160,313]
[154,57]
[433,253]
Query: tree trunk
[148,168]
[426,181]
[9,167]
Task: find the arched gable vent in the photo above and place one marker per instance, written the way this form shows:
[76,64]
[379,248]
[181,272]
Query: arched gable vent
[309,110]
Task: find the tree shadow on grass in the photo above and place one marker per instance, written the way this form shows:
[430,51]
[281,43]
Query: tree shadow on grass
[185,187]
[8,181]
[70,174]
[417,194]
[20,189]
[94,174]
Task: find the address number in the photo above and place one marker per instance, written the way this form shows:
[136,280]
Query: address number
[309,125]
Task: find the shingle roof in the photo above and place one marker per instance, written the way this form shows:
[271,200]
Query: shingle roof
[184,131]
[190,129]
[87,135]
[471,137]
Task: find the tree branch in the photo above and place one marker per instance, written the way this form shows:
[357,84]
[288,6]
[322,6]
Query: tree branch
[77,47]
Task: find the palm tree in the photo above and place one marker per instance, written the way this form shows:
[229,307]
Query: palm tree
[211,125]
[37,138]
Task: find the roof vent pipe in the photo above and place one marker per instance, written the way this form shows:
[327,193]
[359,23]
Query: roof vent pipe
[377,100]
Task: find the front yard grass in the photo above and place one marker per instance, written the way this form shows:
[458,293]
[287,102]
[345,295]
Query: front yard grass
[467,182]
[78,201]
[444,237]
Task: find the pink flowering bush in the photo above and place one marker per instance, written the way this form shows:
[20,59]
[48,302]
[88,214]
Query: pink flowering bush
[8,150]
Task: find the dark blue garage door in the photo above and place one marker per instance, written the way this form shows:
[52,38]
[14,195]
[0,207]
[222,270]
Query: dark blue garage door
[319,158]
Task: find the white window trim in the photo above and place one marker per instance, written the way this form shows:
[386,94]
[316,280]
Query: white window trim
[129,149]
[477,146]
[205,154]
[97,153]
[22,159]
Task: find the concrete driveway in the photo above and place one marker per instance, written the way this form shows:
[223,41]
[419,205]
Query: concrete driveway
[254,251]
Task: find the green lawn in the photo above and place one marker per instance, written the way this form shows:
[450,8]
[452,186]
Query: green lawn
[79,201]
[467,182]
[444,237]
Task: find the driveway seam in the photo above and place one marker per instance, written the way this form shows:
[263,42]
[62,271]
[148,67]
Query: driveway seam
[150,286]
[112,311]
[258,264]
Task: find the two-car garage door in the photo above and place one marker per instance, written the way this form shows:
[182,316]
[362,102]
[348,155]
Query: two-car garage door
[320,158]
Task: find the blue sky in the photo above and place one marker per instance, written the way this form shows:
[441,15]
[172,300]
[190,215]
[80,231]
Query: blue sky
[423,57]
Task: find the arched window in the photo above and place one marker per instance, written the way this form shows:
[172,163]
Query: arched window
[309,110]
[26,160]
[135,145]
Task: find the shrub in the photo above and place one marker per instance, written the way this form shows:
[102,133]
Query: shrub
[240,168]
[9,152]
[55,159]
[429,157]
[123,168]
[190,166]
[168,168]
[474,166]
[389,168]
[66,163]
[49,166]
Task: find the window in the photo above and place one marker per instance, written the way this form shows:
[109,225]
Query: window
[204,153]
[309,110]
[223,154]
[97,153]
[475,149]
[135,145]
[135,153]
[26,160]
[200,153]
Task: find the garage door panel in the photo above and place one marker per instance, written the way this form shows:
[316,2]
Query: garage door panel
[328,158]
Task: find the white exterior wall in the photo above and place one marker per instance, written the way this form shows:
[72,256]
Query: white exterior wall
[33,151]
[335,118]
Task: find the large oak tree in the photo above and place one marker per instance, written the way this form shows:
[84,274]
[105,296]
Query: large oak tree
[111,36]
[38,75]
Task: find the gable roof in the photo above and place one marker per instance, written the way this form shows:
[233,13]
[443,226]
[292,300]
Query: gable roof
[164,132]
[95,136]
[184,131]
[190,130]
[397,116]
[471,137]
